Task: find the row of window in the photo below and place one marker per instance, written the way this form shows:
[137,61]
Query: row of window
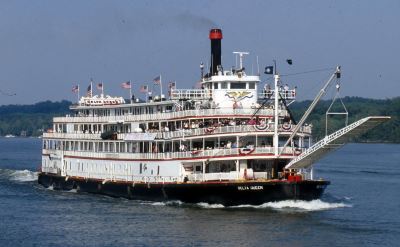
[236,85]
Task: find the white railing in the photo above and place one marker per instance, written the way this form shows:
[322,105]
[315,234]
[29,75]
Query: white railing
[50,169]
[263,175]
[286,94]
[112,176]
[178,94]
[197,177]
[167,115]
[233,175]
[79,136]
[213,153]
[178,133]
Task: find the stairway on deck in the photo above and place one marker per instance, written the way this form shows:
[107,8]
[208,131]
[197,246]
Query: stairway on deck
[335,141]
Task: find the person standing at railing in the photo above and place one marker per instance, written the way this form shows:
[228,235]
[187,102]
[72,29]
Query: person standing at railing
[286,88]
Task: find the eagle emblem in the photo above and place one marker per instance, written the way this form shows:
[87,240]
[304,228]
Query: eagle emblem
[239,95]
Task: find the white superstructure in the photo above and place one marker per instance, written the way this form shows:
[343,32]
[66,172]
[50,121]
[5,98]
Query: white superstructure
[224,131]
[230,129]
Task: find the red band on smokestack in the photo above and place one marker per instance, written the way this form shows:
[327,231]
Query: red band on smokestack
[215,34]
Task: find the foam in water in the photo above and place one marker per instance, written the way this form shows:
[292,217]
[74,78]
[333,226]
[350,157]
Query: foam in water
[296,205]
[71,191]
[314,205]
[23,176]
[207,205]
[167,203]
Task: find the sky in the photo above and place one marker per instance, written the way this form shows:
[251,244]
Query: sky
[46,47]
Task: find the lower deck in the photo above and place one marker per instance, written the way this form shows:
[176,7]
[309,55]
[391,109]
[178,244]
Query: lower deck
[245,168]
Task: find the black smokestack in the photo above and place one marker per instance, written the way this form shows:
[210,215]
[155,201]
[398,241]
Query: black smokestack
[215,37]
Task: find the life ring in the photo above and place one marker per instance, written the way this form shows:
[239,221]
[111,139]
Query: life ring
[286,126]
[246,151]
[209,130]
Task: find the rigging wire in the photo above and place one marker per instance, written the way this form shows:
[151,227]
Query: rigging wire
[309,71]
[302,73]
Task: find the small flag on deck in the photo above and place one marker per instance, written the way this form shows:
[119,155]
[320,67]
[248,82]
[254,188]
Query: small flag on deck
[89,91]
[75,89]
[144,89]
[269,70]
[157,80]
[126,85]
[172,85]
[100,86]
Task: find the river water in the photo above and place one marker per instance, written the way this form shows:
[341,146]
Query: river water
[360,208]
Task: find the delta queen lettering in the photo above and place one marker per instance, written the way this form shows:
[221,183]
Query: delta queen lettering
[250,187]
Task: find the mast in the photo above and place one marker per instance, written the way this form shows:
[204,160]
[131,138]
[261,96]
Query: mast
[321,93]
[276,114]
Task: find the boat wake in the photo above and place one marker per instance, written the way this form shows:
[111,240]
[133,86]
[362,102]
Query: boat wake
[297,205]
[288,205]
[18,175]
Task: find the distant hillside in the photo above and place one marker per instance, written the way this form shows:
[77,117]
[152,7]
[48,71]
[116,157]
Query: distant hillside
[358,108]
[30,118]
[34,118]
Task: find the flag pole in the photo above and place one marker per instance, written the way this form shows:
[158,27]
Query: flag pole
[148,92]
[102,89]
[79,89]
[91,87]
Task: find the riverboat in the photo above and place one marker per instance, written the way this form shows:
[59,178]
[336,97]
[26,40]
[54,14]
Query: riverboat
[232,141]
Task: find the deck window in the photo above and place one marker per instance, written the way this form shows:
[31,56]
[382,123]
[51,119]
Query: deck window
[238,85]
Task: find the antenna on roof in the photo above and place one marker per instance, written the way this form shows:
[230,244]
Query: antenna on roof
[241,53]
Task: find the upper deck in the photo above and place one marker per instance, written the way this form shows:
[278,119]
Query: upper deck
[130,115]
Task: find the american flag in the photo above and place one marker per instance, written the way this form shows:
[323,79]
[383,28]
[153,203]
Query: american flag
[172,85]
[100,86]
[89,91]
[144,89]
[75,88]
[126,85]
[157,80]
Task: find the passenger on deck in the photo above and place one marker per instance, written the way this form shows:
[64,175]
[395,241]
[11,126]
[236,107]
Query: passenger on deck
[251,122]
